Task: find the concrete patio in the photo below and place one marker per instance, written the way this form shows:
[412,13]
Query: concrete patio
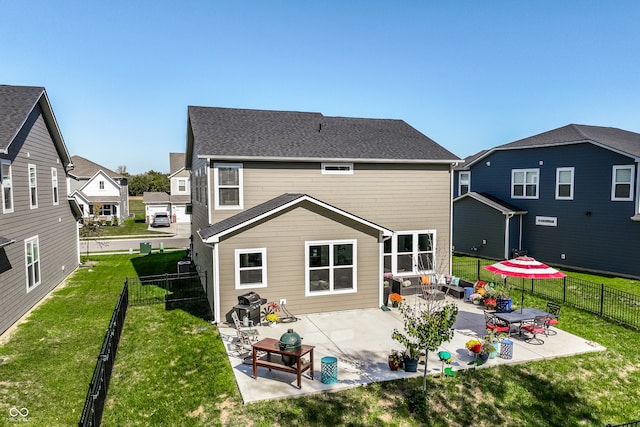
[361,341]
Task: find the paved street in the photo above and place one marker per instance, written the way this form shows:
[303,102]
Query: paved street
[177,236]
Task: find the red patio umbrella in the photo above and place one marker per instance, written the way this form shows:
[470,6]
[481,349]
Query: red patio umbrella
[525,267]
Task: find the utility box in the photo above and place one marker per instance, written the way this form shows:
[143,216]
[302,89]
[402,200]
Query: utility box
[145,248]
[184,267]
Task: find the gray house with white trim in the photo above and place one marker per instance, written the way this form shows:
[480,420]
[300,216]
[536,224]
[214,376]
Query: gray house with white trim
[313,209]
[39,245]
[573,190]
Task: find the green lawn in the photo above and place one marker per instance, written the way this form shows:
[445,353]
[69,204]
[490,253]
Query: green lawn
[131,227]
[171,370]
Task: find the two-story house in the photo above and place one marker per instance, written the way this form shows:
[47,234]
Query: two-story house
[38,223]
[569,197]
[176,203]
[100,192]
[312,209]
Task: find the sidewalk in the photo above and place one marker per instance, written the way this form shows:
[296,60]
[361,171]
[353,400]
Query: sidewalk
[361,341]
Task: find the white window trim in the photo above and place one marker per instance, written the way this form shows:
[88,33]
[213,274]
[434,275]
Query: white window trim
[182,183]
[571,184]
[263,252]
[27,243]
[524,193]
[331,291]
[217,187]
[414,252]
[337,168]
[467,181]
[34,186]
[55,188]
[631,183]
[2,179]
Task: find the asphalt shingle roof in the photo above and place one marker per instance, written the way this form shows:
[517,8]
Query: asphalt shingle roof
[16,102]
[240,133]
[84,168]
[617,139]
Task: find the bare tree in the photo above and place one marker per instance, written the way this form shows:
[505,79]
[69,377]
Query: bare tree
[121,169]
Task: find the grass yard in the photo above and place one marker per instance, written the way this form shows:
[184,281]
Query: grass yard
[171,370]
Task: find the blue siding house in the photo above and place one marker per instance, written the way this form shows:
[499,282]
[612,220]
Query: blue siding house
[568,197]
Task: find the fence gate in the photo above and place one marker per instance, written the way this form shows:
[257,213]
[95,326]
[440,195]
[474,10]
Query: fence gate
[167,289]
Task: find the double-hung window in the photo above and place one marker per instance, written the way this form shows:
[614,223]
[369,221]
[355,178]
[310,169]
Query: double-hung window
[6,185]
[228,185]
[251,268]
[622,183]
[330,267]
[54,185]
[32,258]
[464,182]
[182,185]
[564,183]
[33,187]
[524,183]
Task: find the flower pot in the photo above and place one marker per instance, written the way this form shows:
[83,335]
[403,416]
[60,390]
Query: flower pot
[386,293]
[494,354]
[393,365]
[273,324]
[476,302]
[394,303]
[504,304]
[483,357]
[410,365]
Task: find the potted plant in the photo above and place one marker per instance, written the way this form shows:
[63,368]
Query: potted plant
[494,340]
[490,303]
[272,319]
[396,299]
[474,346]
[386,288]
[271,308]
[396,360]
[475,298]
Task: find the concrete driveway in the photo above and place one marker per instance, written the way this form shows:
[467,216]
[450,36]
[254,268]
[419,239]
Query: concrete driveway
[361,341]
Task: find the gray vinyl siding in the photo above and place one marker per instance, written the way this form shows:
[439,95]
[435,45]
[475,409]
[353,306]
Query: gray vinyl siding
[474,222]
[593,232]
[284,238]
[54,225]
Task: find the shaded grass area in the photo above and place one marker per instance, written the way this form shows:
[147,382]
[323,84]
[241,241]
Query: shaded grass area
[171,369]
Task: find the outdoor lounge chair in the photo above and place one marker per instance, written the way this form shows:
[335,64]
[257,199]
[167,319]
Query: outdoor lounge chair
[538,326]
[249,331]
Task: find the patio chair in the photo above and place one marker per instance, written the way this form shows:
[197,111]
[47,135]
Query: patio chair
[554,310]
[250,332]
[496,325]
[538,326]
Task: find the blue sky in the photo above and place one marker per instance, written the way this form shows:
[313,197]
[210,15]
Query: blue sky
[468,74]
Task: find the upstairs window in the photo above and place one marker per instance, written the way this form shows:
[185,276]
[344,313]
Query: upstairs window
[251,268]
[228,186]
[33,187]
[622,183]
[182,185]
[564,183]
[32,258]
[464,183]
[337,168]
[7,187]
[54,185]
[101,184]
[524,183]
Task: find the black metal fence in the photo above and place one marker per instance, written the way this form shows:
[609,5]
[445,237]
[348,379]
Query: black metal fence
[167,288]
[94,403]
[629,424]
[618,306]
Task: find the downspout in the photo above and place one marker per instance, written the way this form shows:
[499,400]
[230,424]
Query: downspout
[215,278]
[507,235]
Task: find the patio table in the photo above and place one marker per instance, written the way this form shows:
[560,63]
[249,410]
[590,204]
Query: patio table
[519,316]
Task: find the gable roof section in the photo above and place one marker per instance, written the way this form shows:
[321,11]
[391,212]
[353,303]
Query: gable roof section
[16,103]
[176,162]
[86,169]
[215,232]
[614,139]
[238,134]
[155,197]
[493,202]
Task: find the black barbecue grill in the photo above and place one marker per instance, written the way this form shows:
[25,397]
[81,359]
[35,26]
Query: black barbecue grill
[249,306]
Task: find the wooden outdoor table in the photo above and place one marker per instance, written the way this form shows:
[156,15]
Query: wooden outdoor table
[272,345]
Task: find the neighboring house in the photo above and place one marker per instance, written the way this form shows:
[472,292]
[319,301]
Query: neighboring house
[39,245]
[94,185]
[569,197]
[177,203]
[312,209]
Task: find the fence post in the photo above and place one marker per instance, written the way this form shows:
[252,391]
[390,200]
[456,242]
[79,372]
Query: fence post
[478,271]
[601,299]
[564,289]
